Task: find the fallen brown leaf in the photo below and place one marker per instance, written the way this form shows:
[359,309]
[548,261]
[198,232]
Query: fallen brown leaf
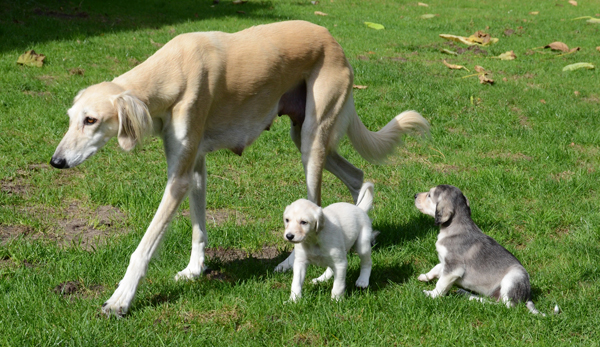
[598,48]
[30,58]
[573,2]
[156,44]
[422,4]
[542,101]
[558,46]
[479,69]
[483,79]
[356,86]
[508,32]
[319,13]
[576,93]
[535,13]
[454,66]
[510,55]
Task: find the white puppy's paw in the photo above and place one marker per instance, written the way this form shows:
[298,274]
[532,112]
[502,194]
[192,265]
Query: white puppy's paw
[423,278]
[119,302]
[431,293]
[188,274]
[362,282]
[283,266]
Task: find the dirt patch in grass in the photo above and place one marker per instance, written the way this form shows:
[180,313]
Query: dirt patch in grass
[75,225]
[227,255]
[78,290]
[506,155]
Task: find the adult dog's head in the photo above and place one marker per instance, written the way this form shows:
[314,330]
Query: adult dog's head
[99,113]
[443,202]
[302,218]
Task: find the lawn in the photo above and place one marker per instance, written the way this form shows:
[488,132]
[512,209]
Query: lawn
[525,150]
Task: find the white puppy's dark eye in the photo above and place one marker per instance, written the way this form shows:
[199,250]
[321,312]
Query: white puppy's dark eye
[287,220]
[303,222]
[89,121]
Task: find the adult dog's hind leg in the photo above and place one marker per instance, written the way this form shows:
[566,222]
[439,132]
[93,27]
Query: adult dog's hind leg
[197,198]
[349,174]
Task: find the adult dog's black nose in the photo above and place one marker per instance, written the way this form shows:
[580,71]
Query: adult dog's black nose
[59,163]
[289,236]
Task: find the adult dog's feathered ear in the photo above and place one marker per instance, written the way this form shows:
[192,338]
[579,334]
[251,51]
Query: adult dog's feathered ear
[134,120]
[320,218]
[443,212]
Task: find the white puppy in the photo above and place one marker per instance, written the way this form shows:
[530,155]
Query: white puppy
[324,236]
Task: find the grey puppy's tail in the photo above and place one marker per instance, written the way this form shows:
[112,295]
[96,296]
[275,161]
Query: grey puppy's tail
[532,309]
[365,197]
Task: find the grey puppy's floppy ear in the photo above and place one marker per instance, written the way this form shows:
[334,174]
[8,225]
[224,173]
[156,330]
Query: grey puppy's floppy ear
[443,211]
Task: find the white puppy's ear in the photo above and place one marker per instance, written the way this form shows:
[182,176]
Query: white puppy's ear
[443,212]
[134,120]
[320,218]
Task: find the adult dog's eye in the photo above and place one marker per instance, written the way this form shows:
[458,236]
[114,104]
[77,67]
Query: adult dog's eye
[89,120]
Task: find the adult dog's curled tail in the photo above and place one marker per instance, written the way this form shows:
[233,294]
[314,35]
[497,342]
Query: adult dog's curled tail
[365,197]
[376,146]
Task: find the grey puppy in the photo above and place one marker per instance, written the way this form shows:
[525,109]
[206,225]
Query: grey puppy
[468,257]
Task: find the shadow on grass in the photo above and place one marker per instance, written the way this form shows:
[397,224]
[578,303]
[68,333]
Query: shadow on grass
[26,23]
[393,234]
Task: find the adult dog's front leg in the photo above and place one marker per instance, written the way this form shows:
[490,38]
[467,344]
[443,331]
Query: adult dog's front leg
[180,161]
[121,299]
[198,215]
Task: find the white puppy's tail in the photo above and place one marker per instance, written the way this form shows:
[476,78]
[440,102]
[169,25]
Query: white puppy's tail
[534,310]
[365,197]
[376,146]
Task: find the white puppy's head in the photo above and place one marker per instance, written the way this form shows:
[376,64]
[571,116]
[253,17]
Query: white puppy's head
[99,113]
[442,203]
[302,218]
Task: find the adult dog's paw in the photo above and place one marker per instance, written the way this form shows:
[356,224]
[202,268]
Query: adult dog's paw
[188,274]
[431,293]
[119,302]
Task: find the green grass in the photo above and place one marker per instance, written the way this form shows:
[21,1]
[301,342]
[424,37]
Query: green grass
[525,151]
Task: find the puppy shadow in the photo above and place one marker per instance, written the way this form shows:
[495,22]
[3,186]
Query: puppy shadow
[381,277]
[394,234]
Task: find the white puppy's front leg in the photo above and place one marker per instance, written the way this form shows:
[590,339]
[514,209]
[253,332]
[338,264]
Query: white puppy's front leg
[324,277]
[434,273]
[287,264]
[444,284]
[299,275]
[339,280]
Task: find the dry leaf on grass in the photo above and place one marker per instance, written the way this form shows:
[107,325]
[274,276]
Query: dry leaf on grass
[598,48]
[578,66]
[479,69]
[422,4]
[356,86]
[319,13]
[30,58]
[375,26]
[510,55]
[479,38]
[535,13]
[573,2]
[239,2]
[454,67]
[428,16]
[593,20]
[557,46]
[447,51]
[483,79]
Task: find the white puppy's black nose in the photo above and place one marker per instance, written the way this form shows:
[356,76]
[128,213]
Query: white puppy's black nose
[289,236]
[416,195]
[59,163]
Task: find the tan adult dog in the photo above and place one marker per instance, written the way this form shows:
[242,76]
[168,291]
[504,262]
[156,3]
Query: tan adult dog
[211,90]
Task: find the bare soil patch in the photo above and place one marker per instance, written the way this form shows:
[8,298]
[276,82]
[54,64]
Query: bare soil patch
[74,225]
[78,289]
[227,255]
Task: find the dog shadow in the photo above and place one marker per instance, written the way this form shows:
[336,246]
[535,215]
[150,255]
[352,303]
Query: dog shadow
[394,234]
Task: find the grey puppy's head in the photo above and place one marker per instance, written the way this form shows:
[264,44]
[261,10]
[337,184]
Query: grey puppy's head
[444,203]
